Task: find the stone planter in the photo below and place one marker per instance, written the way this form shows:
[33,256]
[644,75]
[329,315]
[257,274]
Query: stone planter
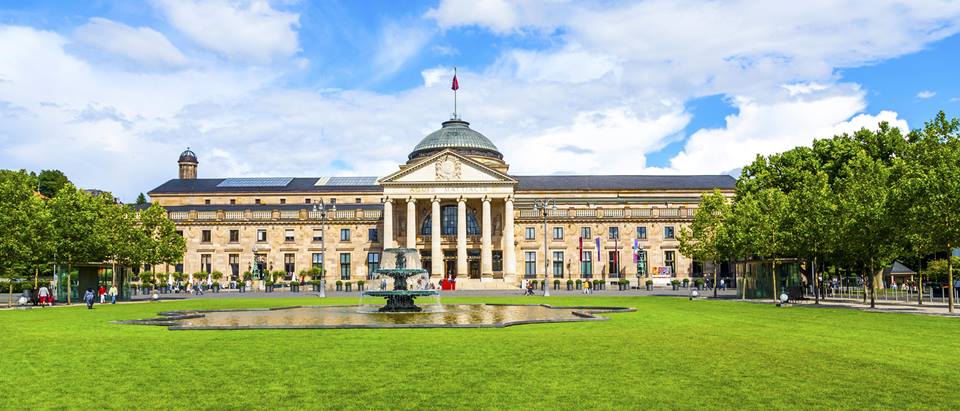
[339,287]
[569,287]
[294,288]
[349,287]
[675,287]
[649,287]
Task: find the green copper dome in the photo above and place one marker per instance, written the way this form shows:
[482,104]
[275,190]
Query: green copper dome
[456,134]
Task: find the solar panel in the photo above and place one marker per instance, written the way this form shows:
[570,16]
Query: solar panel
[256,182]
[347,181]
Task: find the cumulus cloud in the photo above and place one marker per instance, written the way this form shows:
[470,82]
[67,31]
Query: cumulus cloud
[141,44]
[247,30]
[925,94]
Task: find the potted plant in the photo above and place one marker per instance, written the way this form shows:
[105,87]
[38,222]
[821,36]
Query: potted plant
[360,285]
[216,276]
[294,287]
[556,284]
[698,282]
[686,282]
[569,284]
[596,284]
[676,284]
[533,283]
[649,284]
[268,286]
[623,284]
[579,284]
[339,285]
[348,286]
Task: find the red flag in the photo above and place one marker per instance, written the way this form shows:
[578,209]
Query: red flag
[456,85]
[581,249]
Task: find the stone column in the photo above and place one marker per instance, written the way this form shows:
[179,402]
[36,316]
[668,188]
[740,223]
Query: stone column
[462,237]
[509,256]
[388,223]
[486,249]
[436,254]
[411,223]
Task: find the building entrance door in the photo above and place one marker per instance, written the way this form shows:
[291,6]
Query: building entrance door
[451,269]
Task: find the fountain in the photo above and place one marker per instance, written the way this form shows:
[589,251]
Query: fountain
[401,298]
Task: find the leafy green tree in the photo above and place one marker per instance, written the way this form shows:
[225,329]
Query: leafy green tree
[141,199]
[931,185]
[703,239]
[50,182]
[758,220]
[77,219]
[165,245]
[811,214]
[25,230]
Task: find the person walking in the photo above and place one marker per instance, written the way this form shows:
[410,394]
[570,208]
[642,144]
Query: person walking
[102,292]
[44,295]
[88,298]
[113,294]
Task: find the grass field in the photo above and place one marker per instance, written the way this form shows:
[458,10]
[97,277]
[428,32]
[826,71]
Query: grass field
[670,354]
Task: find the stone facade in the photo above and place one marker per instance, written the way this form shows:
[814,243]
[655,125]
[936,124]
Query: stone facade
[469,218]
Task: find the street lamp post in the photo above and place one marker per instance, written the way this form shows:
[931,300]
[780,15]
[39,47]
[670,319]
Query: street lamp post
[322,210]
[544,206]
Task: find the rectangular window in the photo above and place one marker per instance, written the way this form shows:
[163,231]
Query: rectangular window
[178,268]
[234,236]
[288,235]
[289,263]
[668,233]
[585,232]
[613,261]
[261,235]
[283,201]
[586,266]
[256,201]
[333,200]
[372,234]
[356,200]
[498,260]
[558,233]
[206,201]
[205,236]
[530,233]
[614,233]
[344,234]
[642,233]
[668,260]
[344,266]
[306,201]
[317,260]
[205,263]
[373,264]
[234,260]
[558,264]
[317,235]
[530,264]
[233,201]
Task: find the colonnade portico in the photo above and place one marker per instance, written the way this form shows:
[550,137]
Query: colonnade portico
[413,222]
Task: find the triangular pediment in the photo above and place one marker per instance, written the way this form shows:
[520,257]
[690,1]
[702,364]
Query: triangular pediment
[447,167]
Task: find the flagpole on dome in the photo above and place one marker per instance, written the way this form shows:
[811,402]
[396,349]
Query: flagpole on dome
[455,87]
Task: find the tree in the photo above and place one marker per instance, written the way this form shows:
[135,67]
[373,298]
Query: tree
[165,245]
[25,230]
[50,182]
[758,221]
[931,184]
[78,228]
[141,199]
[811,214]
[703,240]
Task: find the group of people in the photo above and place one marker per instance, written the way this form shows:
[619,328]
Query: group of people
[90,296]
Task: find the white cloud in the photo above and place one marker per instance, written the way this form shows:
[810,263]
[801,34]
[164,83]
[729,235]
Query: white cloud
[248,30]
[497,15]
[398,44]
[141,44]
[770,128]
[925,94]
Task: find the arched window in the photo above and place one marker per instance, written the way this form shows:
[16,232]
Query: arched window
[448,222]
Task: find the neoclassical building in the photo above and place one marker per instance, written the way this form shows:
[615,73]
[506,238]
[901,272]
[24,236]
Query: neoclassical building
[455,201]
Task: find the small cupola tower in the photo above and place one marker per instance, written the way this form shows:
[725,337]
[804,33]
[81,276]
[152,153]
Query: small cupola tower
[188,165]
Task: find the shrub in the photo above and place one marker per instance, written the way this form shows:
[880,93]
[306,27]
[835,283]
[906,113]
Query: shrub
[698,282]
[579,281]
[649,282]
[361,283]
[216,275]
[339,282]
[686,281]
[556,282]
[247,276]
[570,282]
[623,281]
[675,282]
[533,283]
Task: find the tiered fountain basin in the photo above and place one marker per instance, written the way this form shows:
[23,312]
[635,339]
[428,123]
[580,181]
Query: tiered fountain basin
[326,317]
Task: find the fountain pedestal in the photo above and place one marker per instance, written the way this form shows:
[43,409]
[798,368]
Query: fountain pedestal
[400,299]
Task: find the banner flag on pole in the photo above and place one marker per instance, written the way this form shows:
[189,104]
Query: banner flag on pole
[581,249]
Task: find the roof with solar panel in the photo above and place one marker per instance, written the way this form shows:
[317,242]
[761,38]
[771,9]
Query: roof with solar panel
[268,185]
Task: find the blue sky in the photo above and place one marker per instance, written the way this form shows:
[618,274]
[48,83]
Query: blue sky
[112,91]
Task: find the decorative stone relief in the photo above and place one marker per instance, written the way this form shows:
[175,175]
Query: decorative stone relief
[448,168]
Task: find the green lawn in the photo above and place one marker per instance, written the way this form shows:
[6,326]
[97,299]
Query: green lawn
[671,353]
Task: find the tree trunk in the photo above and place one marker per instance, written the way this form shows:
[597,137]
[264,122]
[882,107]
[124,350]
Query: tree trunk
[69,271]
[714,280]
[950,287]
[873,287]
[920,285]
[816,282]
[773,271]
